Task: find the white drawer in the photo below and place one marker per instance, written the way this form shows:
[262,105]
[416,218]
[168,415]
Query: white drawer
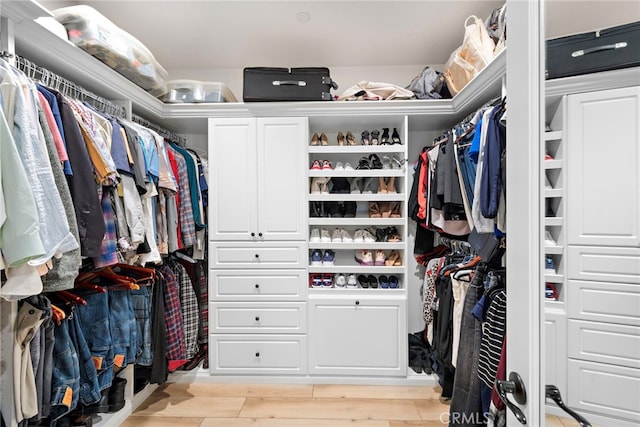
[604,302]
[259,317]
[265,285]
[620,265]
[259,255]
[258,354]
[604,389]
[605,343]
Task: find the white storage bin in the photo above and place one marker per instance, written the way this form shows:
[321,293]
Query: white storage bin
[196,91]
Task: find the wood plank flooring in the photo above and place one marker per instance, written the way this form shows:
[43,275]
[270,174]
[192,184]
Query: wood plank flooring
[265,405]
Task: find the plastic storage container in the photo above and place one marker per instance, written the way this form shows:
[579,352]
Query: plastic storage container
[196,91]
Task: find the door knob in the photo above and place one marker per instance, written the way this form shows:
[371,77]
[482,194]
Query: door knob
[260,234]
[515,386]
[552,392]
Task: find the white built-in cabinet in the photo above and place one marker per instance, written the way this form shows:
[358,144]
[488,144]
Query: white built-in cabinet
[256,181]
[593,330]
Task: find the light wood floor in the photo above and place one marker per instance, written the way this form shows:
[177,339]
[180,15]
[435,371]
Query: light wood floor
[261,405]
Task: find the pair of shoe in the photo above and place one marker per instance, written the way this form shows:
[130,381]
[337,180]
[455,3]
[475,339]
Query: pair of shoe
[363,236]
[550,291]
[376,139]
[387,185]
[340,235]
[318,280]
[389,234]
[200,356]
[321,165]
[111,400]
[320,185]
[319,236]
[390,282]
[549,265]
[369,281]
[346,209]
[360,185]
[369,258]
[393,259]
[325,259]
[392,162]
[548,239]
[343,167]
[319,140]
[384,210]
[350,139]
[371,162]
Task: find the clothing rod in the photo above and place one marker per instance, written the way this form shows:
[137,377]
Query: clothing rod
[66,87]
[161,131]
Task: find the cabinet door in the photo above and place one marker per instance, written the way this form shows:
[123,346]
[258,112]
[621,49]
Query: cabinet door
[282,176]
[232,179]
[603,161]
[358,335]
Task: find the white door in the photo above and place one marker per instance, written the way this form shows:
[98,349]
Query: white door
[232,177]
[603,154]
[282,178]
[525,317]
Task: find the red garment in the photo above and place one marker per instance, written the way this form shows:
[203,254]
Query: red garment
[174,169]
[423,186]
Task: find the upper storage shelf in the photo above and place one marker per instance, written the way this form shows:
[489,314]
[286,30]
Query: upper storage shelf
[37,44]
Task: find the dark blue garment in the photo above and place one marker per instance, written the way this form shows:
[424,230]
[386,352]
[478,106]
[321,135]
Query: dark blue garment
[468,172]
[204,188]
[119,150]
[123,326]
[474,149]
[65,373]
[94,321]
[55,110]
[141,300]
[491,180]
[89,388]
[193,185]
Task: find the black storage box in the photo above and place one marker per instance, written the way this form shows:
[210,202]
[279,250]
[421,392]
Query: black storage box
[282,84]
[608,49]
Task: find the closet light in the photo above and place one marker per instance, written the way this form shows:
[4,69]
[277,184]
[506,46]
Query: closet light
[303,17]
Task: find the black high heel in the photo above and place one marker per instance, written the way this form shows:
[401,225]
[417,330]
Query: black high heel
[375,134]
[395,137]
[365,137]
[375,162]
[384,139]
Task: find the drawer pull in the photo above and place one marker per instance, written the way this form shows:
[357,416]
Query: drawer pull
[257,286]
[357,302]
[257,318]
[257,255]
[260,234]
[257,354]
[253,234]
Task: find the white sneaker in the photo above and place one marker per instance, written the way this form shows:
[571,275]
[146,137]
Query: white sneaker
[358,236]
[548,239]
[336,237]
[339,167]
[346,237]
[314,237]
[341,281]
[352,282]
[325,237]
[368,237]
[348,167]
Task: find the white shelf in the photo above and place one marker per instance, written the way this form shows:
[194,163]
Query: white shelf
[336,197]
[553,221]
[553,250]
[553,164]
[357,149]
[357,221]
[357,269]
[385,246]
[550,193]
[553,135]
[356,173]
[18,11]
[552,306]
[320,292]
[553,278]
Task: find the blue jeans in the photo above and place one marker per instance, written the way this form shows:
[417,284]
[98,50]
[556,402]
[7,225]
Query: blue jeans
[141,300]
[466,403]
[65,373]
[123,327]
[94,322]
[468,171]
[89,389]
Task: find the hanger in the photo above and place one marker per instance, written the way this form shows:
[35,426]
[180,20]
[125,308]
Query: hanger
[57,314]
[109,280]
[84,282]
[185,257]
[470,264]
[71,298]
[139,275]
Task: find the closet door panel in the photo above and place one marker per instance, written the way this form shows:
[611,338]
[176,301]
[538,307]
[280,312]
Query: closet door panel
[603,155]
[232,178]
[282,172]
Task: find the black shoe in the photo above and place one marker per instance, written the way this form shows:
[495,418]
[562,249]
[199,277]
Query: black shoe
[314,209]
[340,185]
[333,209]
[350,209]
[384,139]
[101,407]
[116,394]
[395,137]
[373,281]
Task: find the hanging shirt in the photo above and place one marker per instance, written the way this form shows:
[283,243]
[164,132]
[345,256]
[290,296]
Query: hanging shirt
[55,110]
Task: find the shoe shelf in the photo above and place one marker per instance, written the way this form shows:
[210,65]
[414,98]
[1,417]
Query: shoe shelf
[360,269]
[358,220]
[553,221]
[374,197]
[553,164]
[552,192]
[553,250]
[553,278]
[553,135]
[385,246]
[356,149]
[365,173]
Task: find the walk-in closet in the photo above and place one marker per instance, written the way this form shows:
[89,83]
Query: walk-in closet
[179,248]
